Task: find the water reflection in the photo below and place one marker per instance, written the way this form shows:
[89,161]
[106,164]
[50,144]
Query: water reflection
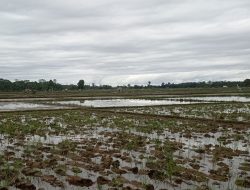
[10,106]
[121,102]
[218,98]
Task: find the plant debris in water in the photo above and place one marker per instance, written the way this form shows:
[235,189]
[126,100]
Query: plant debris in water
[73,149]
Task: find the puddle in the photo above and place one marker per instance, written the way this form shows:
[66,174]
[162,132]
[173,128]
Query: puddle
[121,102]
[19,106]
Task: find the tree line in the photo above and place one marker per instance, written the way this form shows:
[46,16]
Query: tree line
[52,85]
[209,84]
[43,85]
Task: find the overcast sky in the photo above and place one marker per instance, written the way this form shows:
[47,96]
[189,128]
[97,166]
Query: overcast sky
[125,41]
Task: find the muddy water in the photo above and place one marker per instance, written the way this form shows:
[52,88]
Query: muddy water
[121,102]
[105,136]
[219,98]
[18,106]
[187,152]
[23,104]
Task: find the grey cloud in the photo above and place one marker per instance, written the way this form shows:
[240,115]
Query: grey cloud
[119,42]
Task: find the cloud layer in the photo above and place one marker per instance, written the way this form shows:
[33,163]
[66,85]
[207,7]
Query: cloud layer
[125,41]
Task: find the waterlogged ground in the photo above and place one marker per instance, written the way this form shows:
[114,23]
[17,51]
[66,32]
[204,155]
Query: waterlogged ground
[218,98]
[120,102]
[105,150]
[21,106]
[219,111]
[109,102]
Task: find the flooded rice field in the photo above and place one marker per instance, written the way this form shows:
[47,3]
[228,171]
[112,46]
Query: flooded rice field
[120,102]
[19,106]
[126,102]
[73,149]
[52,103]
[201,146]
[218,98]
[223,111]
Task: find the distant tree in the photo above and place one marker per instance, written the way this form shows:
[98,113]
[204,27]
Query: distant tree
[246,82]
[51,85]
[5,85]
[80,84]
[105,87]
[41,80]
[138,87]
[149,83]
